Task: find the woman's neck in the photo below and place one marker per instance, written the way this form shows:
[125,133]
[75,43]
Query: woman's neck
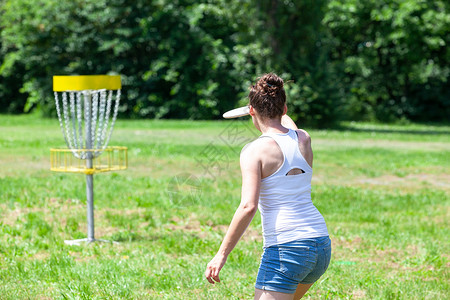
[272,126]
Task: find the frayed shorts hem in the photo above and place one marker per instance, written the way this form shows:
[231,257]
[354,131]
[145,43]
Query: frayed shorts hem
[273,289]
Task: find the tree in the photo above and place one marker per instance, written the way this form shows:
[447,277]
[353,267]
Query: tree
[393,57]
[300,53]
[177,59]
[343,59]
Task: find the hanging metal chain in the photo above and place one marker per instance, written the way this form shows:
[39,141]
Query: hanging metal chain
[108,112]
[113,121]
[94,118]
[66,120]
[87,120]
[101,119]
[58,111]
[80,123]
[72,117]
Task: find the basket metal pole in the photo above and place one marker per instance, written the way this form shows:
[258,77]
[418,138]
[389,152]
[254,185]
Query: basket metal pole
[89,177]
[90,204]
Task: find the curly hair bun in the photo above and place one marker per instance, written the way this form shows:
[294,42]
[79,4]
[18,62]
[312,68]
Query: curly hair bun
[273,79]
[267,96]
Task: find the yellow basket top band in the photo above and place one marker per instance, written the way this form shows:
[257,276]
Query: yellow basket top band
[86,82]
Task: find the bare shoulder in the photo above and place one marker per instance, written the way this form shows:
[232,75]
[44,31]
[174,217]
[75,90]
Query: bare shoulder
[250,158]
[304,142]
[263,156]
[258,146]
[246,153]
[303,136]
[258,150]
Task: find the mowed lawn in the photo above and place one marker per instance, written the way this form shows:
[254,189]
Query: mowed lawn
[383,190]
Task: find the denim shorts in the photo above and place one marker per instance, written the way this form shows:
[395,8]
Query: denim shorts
[284,266]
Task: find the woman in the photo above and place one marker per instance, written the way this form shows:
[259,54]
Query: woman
[276,177]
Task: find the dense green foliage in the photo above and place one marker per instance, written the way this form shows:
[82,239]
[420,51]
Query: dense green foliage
[347,59]
[394,55]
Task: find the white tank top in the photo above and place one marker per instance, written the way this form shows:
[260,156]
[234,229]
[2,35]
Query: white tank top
[287,212]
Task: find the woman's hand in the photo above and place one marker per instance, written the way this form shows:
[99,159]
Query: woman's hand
[214,267]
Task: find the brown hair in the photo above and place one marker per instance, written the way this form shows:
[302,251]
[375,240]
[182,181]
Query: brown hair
[267,96]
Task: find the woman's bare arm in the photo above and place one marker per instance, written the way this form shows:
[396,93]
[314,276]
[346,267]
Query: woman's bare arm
[251,177]
[287,122]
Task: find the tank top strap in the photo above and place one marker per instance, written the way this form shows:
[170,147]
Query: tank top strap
[288,143]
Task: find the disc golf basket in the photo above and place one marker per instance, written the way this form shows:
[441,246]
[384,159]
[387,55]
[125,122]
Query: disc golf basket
[87,109]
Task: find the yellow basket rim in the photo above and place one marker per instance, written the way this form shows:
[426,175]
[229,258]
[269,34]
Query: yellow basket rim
[66,83]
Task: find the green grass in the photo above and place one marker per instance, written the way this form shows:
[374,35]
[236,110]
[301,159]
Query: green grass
[383,189]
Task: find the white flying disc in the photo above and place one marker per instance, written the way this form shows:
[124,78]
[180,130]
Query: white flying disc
[237,112]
